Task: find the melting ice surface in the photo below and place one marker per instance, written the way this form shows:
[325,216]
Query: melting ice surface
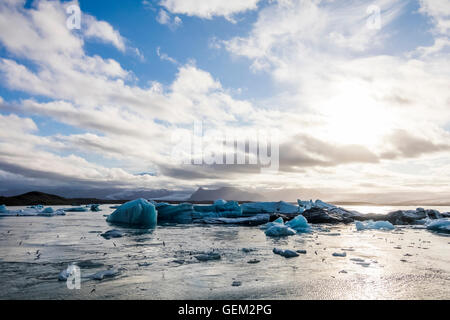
[409,262]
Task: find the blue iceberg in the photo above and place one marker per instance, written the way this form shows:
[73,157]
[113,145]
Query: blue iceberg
[279,230]
[230,209]
[299,224]
[3,209]
[182,213]
[95,208]
[377,225]
[440,225]
[139,213]
[269,207]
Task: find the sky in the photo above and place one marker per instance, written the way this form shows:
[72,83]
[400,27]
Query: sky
[351,97]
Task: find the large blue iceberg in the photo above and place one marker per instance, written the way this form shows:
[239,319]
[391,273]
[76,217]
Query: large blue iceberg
[138,213]
[181,213]
[220,208]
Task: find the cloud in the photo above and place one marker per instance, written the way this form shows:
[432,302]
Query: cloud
[165,19]
[103,31]
[211,8]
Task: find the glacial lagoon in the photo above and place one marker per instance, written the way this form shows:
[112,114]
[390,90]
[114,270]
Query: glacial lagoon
[409,262]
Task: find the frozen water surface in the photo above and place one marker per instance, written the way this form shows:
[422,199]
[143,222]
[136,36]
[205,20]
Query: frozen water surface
[407,263]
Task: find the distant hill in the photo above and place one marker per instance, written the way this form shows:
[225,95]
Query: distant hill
[36,197]
[225,193]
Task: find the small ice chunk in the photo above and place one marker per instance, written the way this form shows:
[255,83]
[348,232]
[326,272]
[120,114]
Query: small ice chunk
[339,254]
[139,213]
[377,225]
[299,224]
[3,209]
[236,283]
[208,256]
[105,274]
[48,210]
[112,234]
[285,253]
[275,222]
[219,202]
[440,225]
[95,208]
[76,209]
[279,230]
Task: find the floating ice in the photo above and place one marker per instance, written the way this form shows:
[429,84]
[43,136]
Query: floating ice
[248,221]
[30,212]
[105,274]
[112,234]
[66,273]
[440,225]
[139,213]
[339,254]
[95,208]
[208,256]
[279,230]
[285,253]
[230,209]
[299,224]
[76,209]
[275,222]
[220,202]
[182,213]
[3,209]
[379,225]
[269,207]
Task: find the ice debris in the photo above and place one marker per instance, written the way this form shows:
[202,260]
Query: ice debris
[139,213]
[76,209]
[279,230]
[377,225]
[299,224]
[33,211]
[105,274]
[285,253]
[208,256]
[3,209]
[112,234]
[95,208]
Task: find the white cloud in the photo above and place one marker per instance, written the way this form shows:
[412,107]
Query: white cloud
[211,8]
[103,31]
[164,18]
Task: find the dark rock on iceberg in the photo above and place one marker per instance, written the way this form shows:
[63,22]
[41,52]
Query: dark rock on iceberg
[323,215]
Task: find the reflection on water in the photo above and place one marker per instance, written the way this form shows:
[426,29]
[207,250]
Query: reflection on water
[407,263]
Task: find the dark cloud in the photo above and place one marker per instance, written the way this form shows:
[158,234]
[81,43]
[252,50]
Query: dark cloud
[406,145]
[306,151]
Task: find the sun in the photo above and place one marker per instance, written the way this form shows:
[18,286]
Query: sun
[354,117]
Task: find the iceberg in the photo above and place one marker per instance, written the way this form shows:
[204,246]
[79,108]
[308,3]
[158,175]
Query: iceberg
[182,213]
[32,212]
[220,202]
[230,209]
[299,224]
[95,208]
[279,230]
[269,207]
[270,224]
[440,225]
[377,225]
[138,213]
[247,221]
[112,234]
[3,209]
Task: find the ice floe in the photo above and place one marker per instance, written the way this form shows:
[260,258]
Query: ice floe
[285,253]
[440,225]
[112,234]
[182,213]
[139,213]
[33,211]
[279,230]
[269,207]
[76,209]
[378,225]
[299,224]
